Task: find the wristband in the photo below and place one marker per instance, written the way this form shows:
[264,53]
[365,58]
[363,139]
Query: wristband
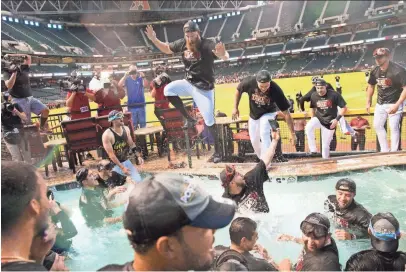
[338,117]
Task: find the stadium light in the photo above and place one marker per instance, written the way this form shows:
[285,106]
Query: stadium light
[228,14]
[233,13]
[31,23]
[26,22]
[54,26]
[215,17]
[16,20]
[4,18]
[210,18]
[199,20]
[59,26]
[238,13]
[49,25]
[220,16]
[10,19]
[36,24]
[194,20]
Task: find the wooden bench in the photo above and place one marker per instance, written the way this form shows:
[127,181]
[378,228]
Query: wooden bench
[154,133]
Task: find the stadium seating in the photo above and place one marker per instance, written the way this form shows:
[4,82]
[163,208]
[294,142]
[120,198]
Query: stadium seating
[294,44]
[69,39]
[311,13]
[83,34]
[230,27]
[273,48]
[290,15]
[131,36]
[320,62]
[235,53]
[253,51]
[269,15]
[273,66]
[160,32]
[367,34]
[316,41]
[340,38]
[383,3]
[400,54]
[356,10]
[346,60]
[229,70]
[213,28]
[334,8]
[249,23]
[175,31]
[389,31]
[297,64]
[106,35]
[367,60]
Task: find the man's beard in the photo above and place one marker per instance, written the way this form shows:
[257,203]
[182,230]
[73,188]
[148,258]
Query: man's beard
[193,45]
[192,261]
[42,223]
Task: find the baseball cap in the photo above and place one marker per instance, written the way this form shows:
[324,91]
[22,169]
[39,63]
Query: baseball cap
[320,82]
[381,52]
[227,175]
[81,175]
[315,223]
[114,115]
[191,26]
[163,204]
[346,184]
[385,232]
[264,76]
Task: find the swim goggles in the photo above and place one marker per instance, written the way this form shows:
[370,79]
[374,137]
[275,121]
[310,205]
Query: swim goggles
[384,236]
[118,115]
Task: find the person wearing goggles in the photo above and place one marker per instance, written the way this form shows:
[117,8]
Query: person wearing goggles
[384,231]
[391,81]
[248,190]
[320,252]
[351,218]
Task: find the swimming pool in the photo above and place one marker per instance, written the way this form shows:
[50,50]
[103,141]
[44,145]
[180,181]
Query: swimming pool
[379,190]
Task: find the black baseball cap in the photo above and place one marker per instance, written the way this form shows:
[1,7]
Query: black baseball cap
[346,184]
[191,26]
[320,82]
[163,204]
[385,231]
[81,175]
[315,223]
[264,76]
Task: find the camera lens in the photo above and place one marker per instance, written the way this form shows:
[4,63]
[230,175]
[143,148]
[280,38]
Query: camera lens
[10,107]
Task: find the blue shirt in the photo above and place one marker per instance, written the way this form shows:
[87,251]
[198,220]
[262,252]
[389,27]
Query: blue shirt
[135,91]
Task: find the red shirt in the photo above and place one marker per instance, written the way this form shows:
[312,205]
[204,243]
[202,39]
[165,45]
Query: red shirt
[107,99]
[159,95]
[80,107]
[358,123]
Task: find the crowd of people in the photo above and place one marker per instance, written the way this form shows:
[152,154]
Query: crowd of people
[234,78]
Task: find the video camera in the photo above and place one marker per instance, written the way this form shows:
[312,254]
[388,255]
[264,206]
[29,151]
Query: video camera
[9,107]
[337,78]
[11,64]
[72,84]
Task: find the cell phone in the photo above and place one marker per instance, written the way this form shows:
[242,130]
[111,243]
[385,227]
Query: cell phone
[274,125]
[106,85]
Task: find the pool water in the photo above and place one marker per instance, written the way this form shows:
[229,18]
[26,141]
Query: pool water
[379,190]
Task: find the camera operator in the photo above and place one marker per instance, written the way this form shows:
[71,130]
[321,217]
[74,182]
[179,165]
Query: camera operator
[135,82]
[77,99]
[338,85]
[107,95]
[15,69]
[12,118]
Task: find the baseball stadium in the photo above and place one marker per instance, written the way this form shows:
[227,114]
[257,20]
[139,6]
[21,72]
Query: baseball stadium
[126,110]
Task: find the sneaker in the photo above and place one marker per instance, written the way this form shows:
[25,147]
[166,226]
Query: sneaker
[189,123]
[216,158]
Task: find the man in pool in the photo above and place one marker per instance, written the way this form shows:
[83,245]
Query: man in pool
[320,251]
[94,205]
[248,190]
[349,215]
[244,237]
[385,234]
[170,224]
[117,142]
[265,98]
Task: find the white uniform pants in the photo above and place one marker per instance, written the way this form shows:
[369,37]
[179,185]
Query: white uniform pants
[260,133]
[380,117]
[326,137]
[203,99]
[345,127]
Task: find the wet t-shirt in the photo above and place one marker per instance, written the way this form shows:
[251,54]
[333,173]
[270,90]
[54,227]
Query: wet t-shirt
[326,106]
[93,205]
[390,82]
[252,197]
[324,259]
[257,264]
[22,266]
[260,102]
[118,267]
[373,260]
[354,217]
[199,66]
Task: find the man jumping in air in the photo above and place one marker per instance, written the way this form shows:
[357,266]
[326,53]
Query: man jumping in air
[198,55]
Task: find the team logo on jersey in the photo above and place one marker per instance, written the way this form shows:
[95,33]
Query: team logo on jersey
[384,82]
[191,56]
[260,98]
[324,104]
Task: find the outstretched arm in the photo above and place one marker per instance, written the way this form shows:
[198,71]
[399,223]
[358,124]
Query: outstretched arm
[270,153]
[163,47]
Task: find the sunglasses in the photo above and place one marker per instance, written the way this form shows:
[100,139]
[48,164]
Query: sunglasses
[384,236]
